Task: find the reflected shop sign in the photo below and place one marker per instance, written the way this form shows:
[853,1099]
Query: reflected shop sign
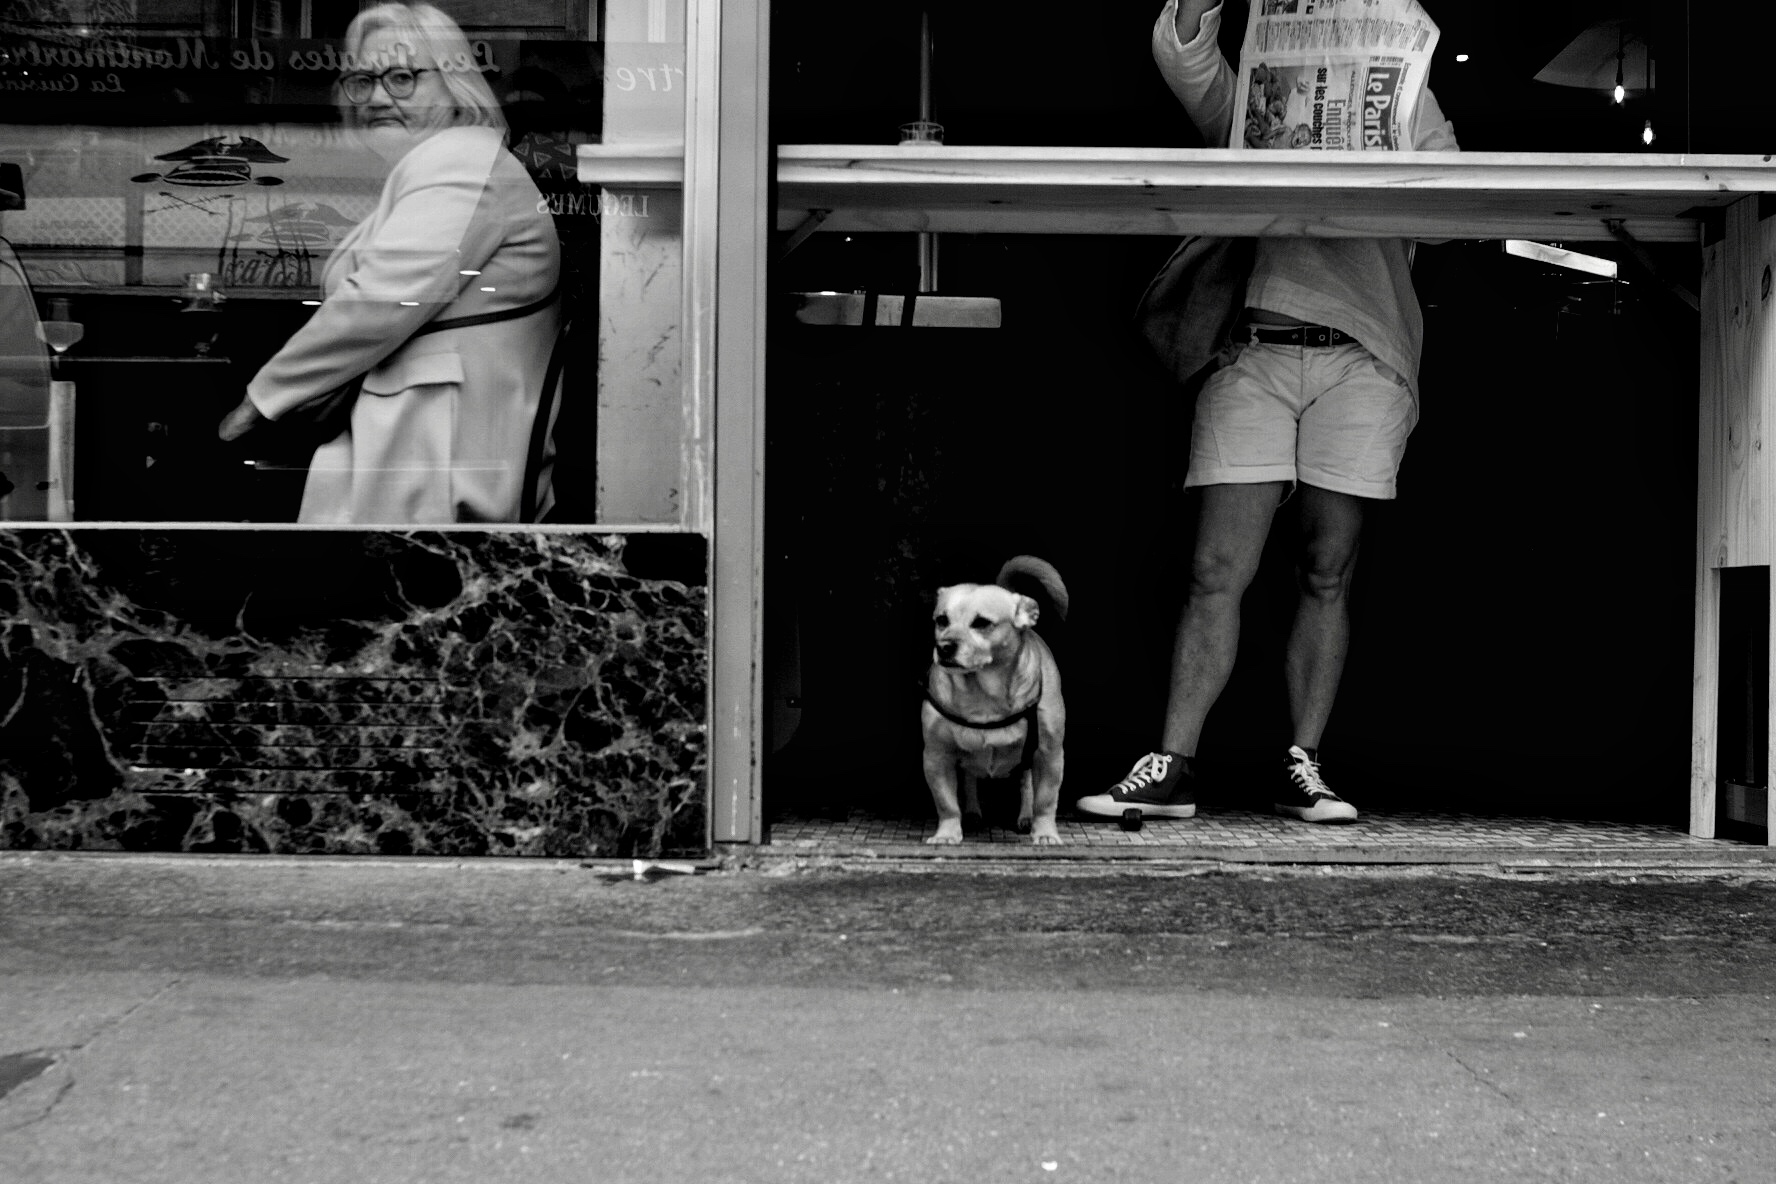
[94,74]
[147,158]
[178,68]
[147,77]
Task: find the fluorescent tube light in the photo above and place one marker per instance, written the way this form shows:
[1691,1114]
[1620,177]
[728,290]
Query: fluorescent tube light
[1560,257]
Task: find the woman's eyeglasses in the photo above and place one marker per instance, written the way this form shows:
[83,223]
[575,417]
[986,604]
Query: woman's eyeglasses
[398,81]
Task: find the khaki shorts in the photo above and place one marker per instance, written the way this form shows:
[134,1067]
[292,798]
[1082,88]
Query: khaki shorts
[1334,418]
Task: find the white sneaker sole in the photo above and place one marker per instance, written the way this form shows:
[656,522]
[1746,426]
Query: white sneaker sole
[1323,812]
[1105,806]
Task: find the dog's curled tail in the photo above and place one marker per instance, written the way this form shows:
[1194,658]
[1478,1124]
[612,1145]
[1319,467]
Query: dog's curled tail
[1028,568]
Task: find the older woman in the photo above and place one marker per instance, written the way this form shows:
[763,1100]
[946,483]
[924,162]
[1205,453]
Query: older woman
[441,431]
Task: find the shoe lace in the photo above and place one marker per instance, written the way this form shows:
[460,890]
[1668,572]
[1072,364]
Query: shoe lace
[1149,769]
[1305,771]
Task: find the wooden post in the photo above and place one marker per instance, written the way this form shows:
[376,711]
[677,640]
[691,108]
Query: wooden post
[1734,482]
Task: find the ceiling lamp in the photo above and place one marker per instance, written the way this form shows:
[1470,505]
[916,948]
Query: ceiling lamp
[1610,56]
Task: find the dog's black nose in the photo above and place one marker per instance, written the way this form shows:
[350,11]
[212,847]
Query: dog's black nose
[946,650]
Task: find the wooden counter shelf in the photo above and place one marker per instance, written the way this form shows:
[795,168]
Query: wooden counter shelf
[1173,191]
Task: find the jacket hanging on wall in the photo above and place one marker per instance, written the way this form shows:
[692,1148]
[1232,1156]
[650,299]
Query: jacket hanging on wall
[1189,310]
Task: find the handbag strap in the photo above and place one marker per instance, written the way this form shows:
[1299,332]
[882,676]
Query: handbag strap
[488,318]
[540,427]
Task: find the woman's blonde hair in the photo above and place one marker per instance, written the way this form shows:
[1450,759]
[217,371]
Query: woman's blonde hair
[430,30]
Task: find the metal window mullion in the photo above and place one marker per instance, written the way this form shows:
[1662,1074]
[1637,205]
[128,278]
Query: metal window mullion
[728,138]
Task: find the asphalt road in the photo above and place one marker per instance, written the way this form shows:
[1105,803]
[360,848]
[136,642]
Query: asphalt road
[168,1019]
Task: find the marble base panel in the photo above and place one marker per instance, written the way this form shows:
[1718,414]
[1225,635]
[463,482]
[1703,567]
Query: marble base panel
[294,691]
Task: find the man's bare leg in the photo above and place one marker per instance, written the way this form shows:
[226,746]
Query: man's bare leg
[1232,523]
[1331,524]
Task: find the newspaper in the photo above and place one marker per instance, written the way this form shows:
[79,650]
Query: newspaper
[1333,75]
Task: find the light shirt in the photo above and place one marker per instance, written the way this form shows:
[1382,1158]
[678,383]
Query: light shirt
[1360,285]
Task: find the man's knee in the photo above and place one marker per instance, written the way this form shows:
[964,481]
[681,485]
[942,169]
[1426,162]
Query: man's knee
[1215,572]
[1325,573]
[1331,527]
[1232,524]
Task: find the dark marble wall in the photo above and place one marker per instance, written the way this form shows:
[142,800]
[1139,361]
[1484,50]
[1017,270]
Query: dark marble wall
[294,691]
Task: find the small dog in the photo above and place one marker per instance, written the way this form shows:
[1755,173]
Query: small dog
[993,702]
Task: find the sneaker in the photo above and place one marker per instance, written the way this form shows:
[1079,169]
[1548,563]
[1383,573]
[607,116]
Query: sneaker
[1305,795]
[1161,784]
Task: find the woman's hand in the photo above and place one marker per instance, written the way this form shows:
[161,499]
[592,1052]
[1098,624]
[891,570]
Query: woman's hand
[243,419]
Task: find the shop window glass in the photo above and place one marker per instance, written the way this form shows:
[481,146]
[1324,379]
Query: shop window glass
[178,175]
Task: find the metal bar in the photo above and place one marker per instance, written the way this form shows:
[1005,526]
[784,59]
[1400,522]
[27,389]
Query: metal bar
[927,240]
[924,66]
[805,229]
[1647,262]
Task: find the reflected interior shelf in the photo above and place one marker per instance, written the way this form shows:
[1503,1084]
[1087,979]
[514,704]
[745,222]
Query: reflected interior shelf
[173,292]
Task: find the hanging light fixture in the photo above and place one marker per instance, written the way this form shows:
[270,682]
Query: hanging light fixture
[1620,92]
[1610,55]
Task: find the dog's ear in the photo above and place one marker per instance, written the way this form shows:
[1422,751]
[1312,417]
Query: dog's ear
[937,603]
[1027,613]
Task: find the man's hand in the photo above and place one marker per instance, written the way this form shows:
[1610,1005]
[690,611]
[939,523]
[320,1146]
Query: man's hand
[1194,68]
[1189,18]
[243,419]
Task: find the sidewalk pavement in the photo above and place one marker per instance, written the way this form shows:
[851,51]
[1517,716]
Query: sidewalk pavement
[191,1019]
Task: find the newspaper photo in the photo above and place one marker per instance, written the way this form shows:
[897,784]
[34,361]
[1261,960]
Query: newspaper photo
[1333,75]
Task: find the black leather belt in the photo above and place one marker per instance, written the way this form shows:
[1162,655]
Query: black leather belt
[1321,336]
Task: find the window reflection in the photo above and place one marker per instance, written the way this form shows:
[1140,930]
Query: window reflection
[211,141]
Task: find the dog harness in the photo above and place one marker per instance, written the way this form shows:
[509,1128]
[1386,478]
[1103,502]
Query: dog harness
[1027,758]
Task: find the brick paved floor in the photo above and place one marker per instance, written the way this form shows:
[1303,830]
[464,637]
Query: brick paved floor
[1223,833]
